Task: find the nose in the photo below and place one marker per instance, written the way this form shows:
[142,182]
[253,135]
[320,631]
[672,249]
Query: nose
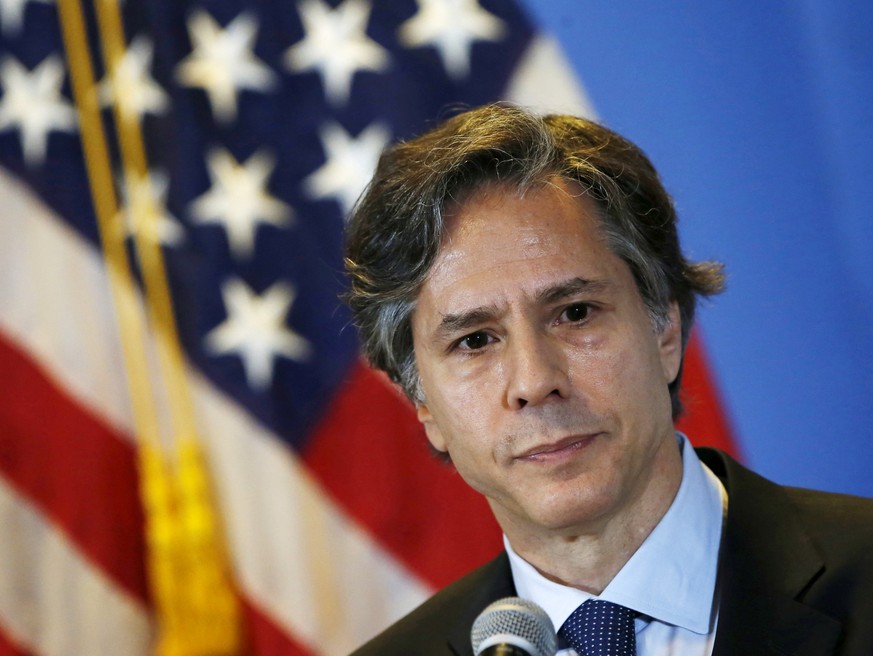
[537,371]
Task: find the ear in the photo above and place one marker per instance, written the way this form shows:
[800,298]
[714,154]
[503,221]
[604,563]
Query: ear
[670,344]
[431,429]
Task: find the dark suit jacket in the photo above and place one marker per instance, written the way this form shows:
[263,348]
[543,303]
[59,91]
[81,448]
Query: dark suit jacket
[795,577]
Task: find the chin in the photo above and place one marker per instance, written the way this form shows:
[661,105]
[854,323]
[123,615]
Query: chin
[577,508]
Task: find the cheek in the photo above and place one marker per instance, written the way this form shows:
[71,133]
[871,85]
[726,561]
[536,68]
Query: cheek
[478,377]
[471,389]
[598,365]
[458,412]
[618,378]
[642,390]
[466,415]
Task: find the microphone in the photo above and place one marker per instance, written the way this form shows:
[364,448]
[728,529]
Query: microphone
[513,627]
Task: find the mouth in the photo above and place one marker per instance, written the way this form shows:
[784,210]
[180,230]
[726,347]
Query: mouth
[563,448]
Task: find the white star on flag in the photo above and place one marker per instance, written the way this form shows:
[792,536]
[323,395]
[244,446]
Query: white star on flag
[33,103]
[239,200]
[336,45]
[350,163]
[222,62]
[451,26]
[142,193]
[255,329]
[12,14]
[132,86]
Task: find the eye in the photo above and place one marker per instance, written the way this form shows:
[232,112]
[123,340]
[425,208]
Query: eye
[474,341]
[576,313]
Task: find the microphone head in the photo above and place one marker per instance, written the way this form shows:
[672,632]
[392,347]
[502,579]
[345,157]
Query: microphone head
[516,622]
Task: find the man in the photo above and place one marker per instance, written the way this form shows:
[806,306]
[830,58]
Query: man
[521,278]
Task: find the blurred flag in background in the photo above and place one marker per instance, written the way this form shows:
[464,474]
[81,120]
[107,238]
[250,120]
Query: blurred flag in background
[188,437]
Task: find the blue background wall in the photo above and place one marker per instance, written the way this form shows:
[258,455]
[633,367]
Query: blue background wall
[760,117]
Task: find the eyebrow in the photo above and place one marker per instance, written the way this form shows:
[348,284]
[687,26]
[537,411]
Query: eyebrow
[452,324]
[571,287]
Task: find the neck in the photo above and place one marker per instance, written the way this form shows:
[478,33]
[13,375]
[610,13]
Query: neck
[588,556]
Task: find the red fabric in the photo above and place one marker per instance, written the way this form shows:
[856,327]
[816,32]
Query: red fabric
[78,471]
[9,648]
[267,639]
[705,420]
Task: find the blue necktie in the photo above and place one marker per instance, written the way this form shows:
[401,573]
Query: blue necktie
[601,628]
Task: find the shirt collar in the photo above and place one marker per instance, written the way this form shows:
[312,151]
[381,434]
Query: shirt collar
[671,577]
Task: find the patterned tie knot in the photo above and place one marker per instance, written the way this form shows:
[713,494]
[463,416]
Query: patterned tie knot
[601,628]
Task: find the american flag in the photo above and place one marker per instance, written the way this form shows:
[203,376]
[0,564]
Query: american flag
[261,123]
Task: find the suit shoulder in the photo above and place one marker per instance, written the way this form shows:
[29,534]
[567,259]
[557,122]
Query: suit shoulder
[425,630]
[823,512]
[834,509]
[836,519]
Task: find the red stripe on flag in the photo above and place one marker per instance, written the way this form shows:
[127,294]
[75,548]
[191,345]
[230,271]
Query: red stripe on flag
[9,648]
[265,638]
[705,420]
[432,521]
[78,471]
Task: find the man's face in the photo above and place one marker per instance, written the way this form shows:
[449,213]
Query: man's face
[543,377]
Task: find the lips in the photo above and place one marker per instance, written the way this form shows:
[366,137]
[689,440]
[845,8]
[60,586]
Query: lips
[551,450]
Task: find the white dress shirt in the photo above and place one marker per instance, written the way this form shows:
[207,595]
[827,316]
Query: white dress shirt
[670,579]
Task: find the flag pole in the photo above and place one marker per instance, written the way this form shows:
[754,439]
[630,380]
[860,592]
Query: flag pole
[197,609]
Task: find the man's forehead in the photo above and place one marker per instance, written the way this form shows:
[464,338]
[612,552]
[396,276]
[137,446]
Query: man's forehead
[487,206]
[531,247]
[529,215]
[497,190]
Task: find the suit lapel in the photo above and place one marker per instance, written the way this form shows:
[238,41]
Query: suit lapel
[494,583]
[767,559]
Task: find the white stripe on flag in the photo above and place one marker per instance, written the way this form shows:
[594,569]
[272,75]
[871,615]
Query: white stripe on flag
[52,600]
